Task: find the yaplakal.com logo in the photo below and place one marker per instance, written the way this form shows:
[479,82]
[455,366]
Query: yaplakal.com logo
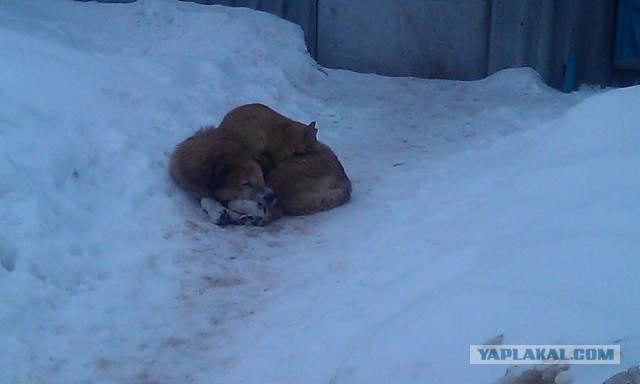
[544,354]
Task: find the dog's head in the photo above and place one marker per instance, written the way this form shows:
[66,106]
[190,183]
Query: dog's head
[297,139]
[240,177]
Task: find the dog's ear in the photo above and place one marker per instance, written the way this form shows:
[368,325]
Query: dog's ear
[311,133]
[216,175]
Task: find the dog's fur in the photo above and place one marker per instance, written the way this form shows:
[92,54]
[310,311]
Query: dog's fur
[309,183]
[267,135]
[252,143]
[207,165]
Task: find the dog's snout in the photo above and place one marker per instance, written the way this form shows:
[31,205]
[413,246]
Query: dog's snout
[269,198]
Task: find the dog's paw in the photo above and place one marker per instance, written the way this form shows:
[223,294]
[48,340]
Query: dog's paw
[249,212]
[247,208]
[216,212]
[250,220]
[240,212]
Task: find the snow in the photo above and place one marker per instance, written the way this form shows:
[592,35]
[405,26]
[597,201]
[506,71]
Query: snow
[486,208]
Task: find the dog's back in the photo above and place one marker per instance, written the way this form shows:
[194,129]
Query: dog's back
[267,135]
[310,183]
[193,160]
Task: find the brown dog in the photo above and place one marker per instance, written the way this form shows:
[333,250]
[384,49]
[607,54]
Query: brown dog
[229,164]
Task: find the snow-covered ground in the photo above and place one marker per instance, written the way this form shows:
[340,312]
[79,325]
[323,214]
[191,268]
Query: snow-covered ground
[495,207]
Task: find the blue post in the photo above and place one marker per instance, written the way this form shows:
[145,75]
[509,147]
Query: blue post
[570,73]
